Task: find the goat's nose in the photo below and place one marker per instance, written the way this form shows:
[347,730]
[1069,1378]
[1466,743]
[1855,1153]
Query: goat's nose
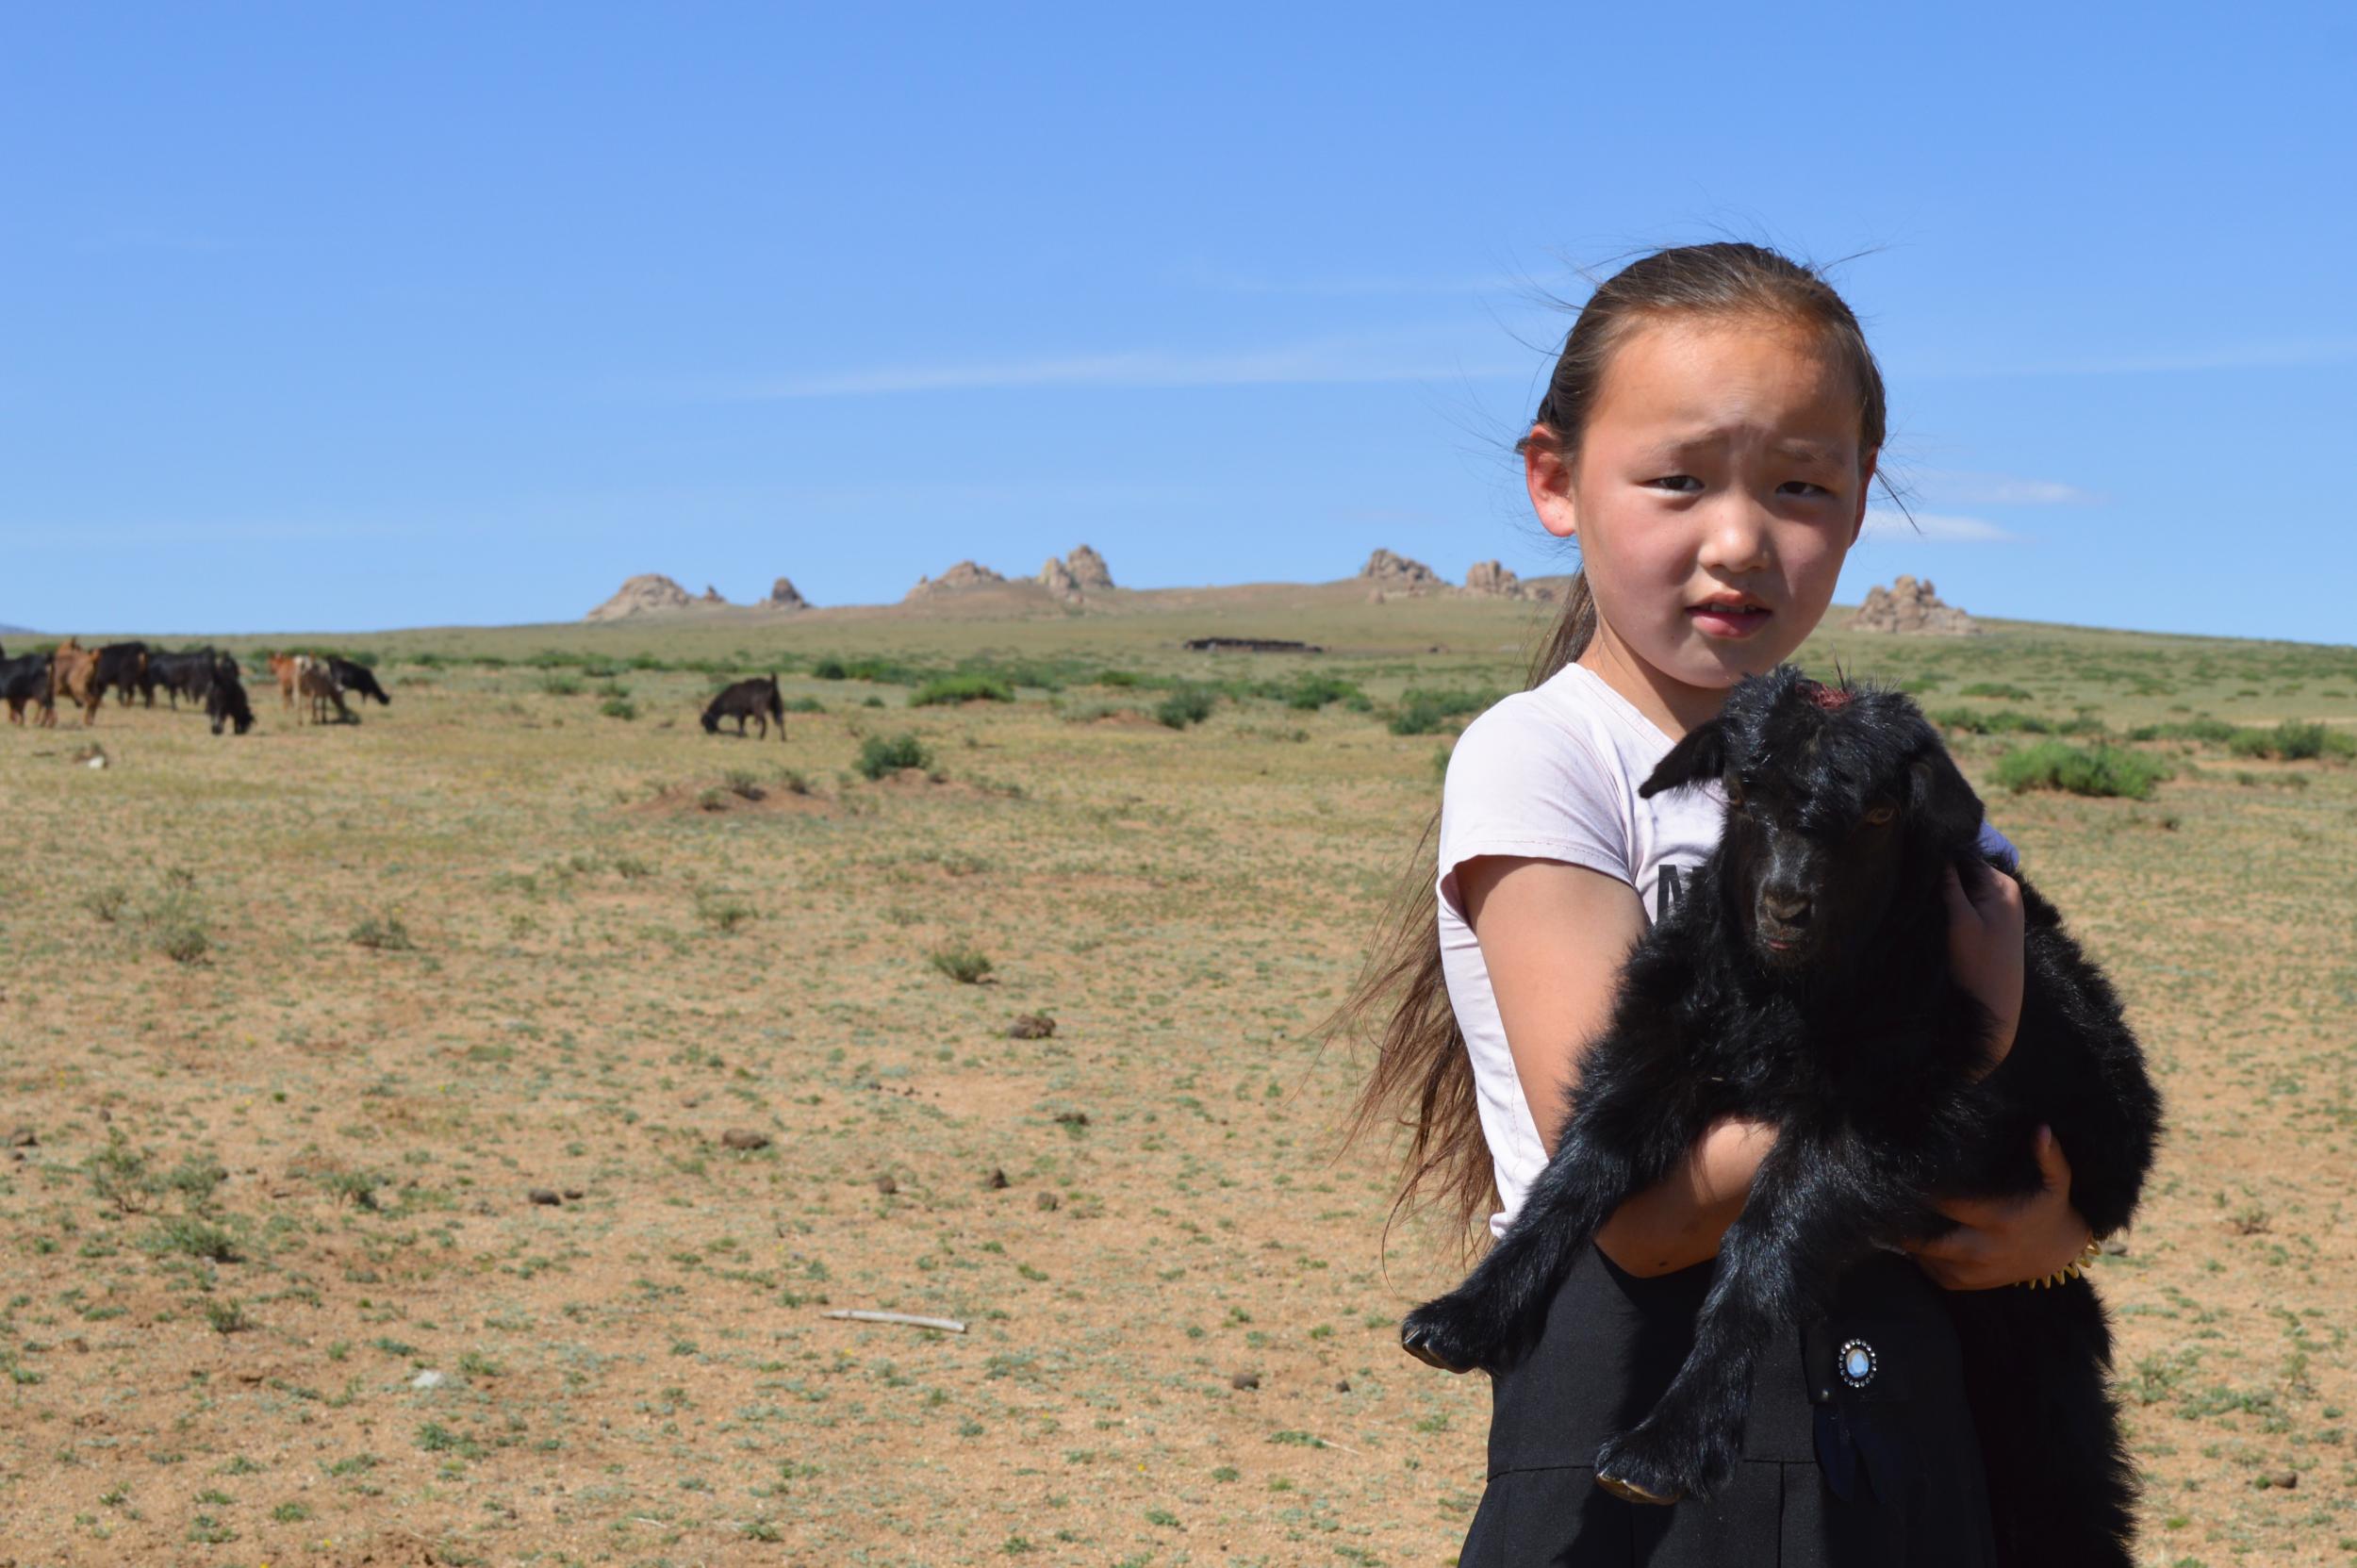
[1787,908]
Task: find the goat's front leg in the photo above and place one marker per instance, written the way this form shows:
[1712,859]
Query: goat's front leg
[1809,1215]
[1632,1119]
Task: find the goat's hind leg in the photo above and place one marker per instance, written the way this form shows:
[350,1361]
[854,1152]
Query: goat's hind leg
[1808,1217]
[1629,1123]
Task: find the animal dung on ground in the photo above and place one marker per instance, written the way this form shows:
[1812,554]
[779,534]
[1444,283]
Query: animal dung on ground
[996,1182]
[745,1138]
[1244,1380]
[887,1186]
[545,1196]
[23,1137]
[1048,1203]
[1031,1025]
[1073,1118]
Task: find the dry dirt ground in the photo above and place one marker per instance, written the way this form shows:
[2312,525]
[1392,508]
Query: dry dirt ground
[295,1026]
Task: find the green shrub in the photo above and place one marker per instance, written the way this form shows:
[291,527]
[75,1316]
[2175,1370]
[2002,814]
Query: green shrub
[1996,689]
[1189,705]
[1428,713]
[2104,770]
[1310,693]
[804,704]
[831,668]
[618,707]
[196,1238]
[943,689]
[878,756]
[961,962]
[2214,732]
[2000,721]
[386,935]
[2293,741]
[561,685]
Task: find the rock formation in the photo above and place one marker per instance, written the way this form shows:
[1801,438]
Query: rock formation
[1089,570]
[1490,580]
[643,594]
[712,596]
[965,575]
[784,597]
[1396,574]
[1909,606]
[1057,579]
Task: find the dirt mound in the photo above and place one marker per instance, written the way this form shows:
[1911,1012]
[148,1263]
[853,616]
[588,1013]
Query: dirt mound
[648,593]
[965,575]
[1911,607]
[1390,575]
[784,596]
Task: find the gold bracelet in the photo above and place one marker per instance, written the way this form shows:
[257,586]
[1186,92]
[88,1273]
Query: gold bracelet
[2070,1270]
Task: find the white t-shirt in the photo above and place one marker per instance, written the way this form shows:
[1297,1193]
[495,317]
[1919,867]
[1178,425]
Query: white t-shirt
[1552,774]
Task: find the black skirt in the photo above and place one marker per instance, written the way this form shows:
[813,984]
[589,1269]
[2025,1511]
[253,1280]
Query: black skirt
[1886,1475]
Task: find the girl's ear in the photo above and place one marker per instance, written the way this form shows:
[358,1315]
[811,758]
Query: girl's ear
[1548,476]
[1703,754]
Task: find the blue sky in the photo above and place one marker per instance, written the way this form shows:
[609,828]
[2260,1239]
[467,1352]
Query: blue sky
[346,318]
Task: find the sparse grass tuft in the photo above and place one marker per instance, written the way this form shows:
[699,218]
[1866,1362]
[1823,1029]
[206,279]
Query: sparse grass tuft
[878,756]
[1185,707]
[1428,713]
[383,936]
[2106,770]
[943,690]
[960,962]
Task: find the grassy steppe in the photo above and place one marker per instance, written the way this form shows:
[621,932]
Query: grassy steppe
[298,1024]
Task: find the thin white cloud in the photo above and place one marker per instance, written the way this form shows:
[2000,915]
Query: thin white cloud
[1932,527]
[1330,362]
[1969,489]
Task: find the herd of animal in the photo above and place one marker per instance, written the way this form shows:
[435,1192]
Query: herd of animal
[307,684]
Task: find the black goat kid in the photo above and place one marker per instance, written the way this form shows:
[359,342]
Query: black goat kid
[757,699]
[224,697]
[1804,981]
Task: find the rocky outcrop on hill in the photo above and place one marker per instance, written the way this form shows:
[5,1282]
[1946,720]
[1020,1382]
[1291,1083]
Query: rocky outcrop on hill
[1910,606]
[1088,568]
[782,596]
[1491,580]
[1057,579]
[965,575]
[1391,575]
[712,596]
[644,594]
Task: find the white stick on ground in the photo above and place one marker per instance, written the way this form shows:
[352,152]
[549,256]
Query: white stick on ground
[949,1324]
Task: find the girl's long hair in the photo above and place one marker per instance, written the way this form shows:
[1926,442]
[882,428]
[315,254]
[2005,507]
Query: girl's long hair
[1422,1082]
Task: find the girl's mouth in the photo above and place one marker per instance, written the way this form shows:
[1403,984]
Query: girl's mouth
[1728,619]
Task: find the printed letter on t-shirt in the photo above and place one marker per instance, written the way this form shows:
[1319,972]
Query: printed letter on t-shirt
[1667,888]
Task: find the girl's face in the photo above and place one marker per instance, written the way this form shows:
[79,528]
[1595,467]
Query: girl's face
[1716,487]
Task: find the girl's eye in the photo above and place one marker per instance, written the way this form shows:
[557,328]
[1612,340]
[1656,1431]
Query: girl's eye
[1683,484]
[1802,487]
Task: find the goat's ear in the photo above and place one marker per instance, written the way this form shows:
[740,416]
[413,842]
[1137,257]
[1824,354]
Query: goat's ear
[1703,754]
[1939,795]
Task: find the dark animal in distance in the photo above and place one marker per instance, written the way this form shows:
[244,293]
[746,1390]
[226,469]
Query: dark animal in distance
[358,678]
[122,667]
[756,698]
[1804,981]
[187,674]
[24,678]
[224,697]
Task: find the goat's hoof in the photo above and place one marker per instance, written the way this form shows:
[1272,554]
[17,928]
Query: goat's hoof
[1641,1467]
[1631,1492]
[1429,1336]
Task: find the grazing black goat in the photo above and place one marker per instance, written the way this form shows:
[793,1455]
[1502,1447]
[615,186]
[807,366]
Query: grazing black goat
[224,697]
[756,698]
[354,676]
[1803,981]
[123,667]
[186,674]
[24,678]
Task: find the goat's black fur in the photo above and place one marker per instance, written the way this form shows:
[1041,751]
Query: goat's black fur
[185,674]
[1804,981]
[757,699]
[224,697]
[353,676]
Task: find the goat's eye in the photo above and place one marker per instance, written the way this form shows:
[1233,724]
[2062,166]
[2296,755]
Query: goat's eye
[1879,816]
[1735,790]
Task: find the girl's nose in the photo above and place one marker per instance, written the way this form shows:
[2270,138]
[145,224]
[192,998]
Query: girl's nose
[1737,537]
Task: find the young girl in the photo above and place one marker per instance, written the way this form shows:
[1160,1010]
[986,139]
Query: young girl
[1708,438]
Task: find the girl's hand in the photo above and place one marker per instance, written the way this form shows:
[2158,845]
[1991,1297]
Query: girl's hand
[1985,936]
[2004,1241]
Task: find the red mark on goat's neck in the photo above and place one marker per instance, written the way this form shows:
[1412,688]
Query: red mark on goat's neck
[1828,698]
